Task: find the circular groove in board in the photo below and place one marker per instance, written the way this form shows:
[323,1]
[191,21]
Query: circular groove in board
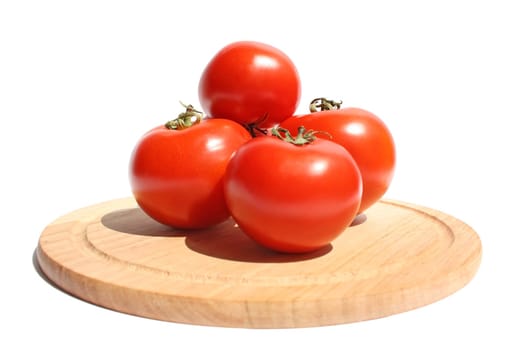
[396,257]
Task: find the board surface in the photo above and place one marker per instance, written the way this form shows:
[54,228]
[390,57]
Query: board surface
[396,257]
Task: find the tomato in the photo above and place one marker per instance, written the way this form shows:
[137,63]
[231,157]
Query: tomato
[292,198]
[366,138]
[250,83]
[176,175]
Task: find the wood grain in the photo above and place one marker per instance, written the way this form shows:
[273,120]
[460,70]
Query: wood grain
[395,258]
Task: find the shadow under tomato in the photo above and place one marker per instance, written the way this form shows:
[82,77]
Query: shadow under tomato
[227,241]
[359,219]
[224,241]
[137,222]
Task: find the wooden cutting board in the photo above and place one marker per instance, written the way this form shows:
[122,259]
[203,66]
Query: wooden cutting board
[396,257]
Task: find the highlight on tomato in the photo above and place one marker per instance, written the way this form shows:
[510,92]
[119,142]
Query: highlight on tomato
[363,134]
[251,83]
[292,194]
[176,169]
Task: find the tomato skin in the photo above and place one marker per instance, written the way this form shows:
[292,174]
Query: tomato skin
[176,175]
[246,81]
[289,198]
[366,138]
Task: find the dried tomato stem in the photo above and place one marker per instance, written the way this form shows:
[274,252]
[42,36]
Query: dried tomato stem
[324,104]
[186,119]
[253,127]
[303,136]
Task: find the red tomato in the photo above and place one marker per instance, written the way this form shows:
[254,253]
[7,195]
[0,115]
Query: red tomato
[176,175]
[291,198]
[365,137]
[250,82]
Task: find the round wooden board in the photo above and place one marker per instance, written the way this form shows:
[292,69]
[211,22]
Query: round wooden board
[396,257]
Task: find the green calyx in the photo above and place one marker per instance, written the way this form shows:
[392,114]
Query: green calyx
[303,136]
[324,104]
[186,119]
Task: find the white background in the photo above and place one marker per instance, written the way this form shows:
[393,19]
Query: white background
[80,81]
